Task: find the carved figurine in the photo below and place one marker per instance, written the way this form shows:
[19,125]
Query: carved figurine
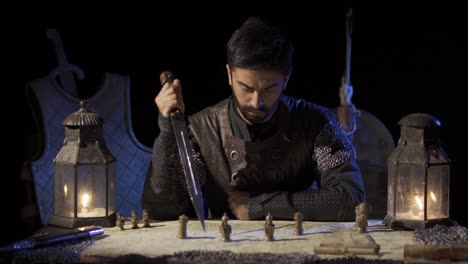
[298,218]
[362,211]
[269,228]
[225,229]
[120,222]
[146,218]
[183,220]
[135,220]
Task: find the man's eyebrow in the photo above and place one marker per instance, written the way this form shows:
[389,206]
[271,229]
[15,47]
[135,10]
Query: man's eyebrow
[253,88]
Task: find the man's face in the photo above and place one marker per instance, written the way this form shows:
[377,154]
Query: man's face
[257,92]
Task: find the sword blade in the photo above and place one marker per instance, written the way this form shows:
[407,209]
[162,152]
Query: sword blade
[185,152]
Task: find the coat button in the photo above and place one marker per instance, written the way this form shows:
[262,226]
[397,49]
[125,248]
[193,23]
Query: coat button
[275,154]
[279,175]
[235,177]
[234,155]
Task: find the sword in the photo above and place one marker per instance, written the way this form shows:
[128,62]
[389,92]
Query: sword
[185,152]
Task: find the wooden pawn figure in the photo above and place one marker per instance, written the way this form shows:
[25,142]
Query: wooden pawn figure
[269,228]
[120,222]
[298,219]
[135,220]
[183,220]
[146,218]
[225,229]
[362,211]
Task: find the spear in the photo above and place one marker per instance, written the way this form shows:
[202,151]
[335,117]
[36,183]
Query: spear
[346,111]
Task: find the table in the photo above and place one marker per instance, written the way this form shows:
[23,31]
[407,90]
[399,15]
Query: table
[247,240]
[247,237]
[159,244]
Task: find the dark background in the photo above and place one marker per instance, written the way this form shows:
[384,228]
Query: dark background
[404,60]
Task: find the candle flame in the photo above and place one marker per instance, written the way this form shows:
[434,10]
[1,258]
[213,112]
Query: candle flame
[433,197]
[65,189]
[85,199]
[418,202]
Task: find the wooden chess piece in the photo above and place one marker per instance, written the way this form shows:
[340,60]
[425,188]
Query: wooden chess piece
[146,218]
[362,211]
[135,220]
[298,219]
[269,228]
[120,222]
[225,229]
[183,220]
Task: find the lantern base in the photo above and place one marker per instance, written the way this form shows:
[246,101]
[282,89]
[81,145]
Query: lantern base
[69,222]
[399,224]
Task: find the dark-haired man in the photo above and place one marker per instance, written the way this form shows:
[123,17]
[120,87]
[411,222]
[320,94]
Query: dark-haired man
[259,150]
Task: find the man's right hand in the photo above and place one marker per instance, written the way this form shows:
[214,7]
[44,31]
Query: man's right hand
[170,98]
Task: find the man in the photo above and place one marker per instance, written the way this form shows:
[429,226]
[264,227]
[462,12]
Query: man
[258,151]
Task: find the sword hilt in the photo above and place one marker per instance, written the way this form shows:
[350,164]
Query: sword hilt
[167,76]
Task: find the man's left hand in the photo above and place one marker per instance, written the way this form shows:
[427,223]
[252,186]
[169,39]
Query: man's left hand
[239,204]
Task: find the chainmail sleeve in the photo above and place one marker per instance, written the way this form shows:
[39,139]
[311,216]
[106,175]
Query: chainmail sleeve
[340,185]
[165,194]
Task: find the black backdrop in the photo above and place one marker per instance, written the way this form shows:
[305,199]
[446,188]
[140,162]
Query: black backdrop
[404,60]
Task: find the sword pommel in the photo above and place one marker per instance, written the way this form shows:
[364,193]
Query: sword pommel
[166,76]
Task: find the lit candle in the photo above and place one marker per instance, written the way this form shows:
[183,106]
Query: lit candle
[420,206]
[65,193]
[419,202]
[433,197]
[84,201]
[434,207]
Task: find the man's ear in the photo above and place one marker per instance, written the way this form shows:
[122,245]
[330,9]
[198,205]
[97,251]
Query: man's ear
[229,74]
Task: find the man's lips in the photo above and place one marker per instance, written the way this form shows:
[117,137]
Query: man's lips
[256,113]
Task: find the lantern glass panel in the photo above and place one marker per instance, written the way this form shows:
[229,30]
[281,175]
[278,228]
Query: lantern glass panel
[64,190]
[91,191]
[410,192]
[437,192]
[391,189]
[111,193]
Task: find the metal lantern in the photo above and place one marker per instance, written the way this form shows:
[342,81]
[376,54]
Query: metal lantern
[418,176]
[84,174]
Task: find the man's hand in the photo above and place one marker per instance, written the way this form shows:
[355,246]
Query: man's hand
[239,204]
[170,97]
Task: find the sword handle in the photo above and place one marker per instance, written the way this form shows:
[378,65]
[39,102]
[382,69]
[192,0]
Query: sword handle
[167,76]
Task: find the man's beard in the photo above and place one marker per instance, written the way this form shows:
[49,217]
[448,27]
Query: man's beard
[256,115]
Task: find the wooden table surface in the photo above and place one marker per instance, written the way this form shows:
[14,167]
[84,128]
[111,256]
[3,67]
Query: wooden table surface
[247,237]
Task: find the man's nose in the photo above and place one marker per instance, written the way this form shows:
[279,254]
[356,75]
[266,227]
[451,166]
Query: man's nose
[257,100]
